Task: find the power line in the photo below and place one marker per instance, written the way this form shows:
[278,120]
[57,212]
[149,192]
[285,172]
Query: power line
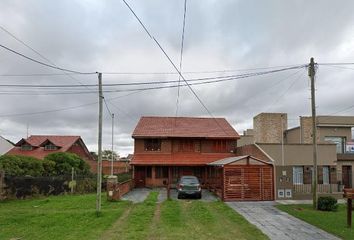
[283,94]
[244,75]
[133,89]
[37,52]
[105,103]
[181,54]
[42,63]
[149,73]
[334,64]
[47,111]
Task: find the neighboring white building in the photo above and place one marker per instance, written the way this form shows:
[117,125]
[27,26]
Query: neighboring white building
[5,146]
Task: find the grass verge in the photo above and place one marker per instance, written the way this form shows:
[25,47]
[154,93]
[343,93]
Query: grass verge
[203,220]
[57,217]
[332,222]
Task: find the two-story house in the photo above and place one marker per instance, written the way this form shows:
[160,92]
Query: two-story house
[39,146]
[166,148]
[292,152]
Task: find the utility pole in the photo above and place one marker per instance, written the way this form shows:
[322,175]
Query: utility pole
[312,72]
[112,144]
[99,161]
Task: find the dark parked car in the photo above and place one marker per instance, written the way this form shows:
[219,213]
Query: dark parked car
[189,186]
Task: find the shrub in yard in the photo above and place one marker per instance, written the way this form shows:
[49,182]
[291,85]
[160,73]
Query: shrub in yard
[327,204]
[16,165]
[65,161]
[86,185]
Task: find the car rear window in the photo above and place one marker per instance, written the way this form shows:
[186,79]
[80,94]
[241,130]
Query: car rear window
[189,180]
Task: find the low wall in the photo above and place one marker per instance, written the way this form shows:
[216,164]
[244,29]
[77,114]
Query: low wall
[125,187]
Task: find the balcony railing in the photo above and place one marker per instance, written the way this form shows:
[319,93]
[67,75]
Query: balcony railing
[321,188]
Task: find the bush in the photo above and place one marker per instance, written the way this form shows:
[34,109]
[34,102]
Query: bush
[65,161]
[327,204]
[16,165]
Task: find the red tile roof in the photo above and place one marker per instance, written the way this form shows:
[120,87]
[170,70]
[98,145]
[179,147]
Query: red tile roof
[184,127]
[64,142]
[178,159]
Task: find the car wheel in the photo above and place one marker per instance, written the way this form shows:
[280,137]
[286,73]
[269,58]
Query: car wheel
[199,196]
[178,196]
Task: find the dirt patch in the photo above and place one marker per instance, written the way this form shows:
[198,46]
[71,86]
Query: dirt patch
[111,233]
[155,222]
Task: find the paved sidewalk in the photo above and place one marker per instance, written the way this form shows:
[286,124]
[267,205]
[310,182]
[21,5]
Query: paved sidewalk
[137,195]
[277,224]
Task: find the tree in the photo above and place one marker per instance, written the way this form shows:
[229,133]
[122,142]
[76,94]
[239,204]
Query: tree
[65,161]
[107,155]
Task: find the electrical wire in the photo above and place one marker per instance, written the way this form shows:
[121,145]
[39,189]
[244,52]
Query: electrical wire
[287,90]
[175,67]
[125,90]
[181,55]
[149,73]
[151,82]
[44,64]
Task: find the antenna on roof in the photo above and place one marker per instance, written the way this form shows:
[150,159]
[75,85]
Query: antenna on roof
[27,126]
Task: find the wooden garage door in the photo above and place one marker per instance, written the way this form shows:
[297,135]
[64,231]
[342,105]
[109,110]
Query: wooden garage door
[252,183]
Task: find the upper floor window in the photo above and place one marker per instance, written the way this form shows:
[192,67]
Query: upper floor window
[339,141]
[50,147]
[220,146]
[186,146]
[26,147]
[152,144]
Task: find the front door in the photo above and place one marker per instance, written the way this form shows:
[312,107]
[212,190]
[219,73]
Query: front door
[347,176]
[139,176]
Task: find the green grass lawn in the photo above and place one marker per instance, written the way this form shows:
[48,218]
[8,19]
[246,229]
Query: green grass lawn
[61,217]
[332,222]
[73,217]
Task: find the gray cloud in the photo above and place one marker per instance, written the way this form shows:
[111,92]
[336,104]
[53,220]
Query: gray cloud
[104,36]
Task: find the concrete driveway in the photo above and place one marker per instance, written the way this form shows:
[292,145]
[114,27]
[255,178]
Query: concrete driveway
[140,194]
[277,224]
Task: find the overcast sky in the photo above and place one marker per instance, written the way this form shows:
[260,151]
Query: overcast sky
[104,36]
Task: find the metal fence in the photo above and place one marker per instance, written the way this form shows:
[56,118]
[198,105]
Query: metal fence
[321,188]
[22,187]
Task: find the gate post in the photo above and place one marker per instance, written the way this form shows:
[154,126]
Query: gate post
[112,188]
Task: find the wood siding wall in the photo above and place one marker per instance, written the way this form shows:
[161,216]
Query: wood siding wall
[253,183]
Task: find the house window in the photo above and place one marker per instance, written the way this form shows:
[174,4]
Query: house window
[148,172]
[161,172]
[298,175]
[186,146]
[50,147]
[26,147]
[152,144]
[325,175]
[219,146]
[339,141]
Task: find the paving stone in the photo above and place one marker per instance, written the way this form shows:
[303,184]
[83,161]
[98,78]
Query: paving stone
[277,224]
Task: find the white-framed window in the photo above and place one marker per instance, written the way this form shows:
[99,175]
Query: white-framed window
[298,175]
[325,172]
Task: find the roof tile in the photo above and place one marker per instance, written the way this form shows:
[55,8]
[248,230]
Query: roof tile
[184,127]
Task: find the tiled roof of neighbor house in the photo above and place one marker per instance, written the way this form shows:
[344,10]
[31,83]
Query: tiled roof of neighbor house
[178,159]
[63,142]
[184,127]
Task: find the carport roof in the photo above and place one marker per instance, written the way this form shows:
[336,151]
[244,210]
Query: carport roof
[225,161]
